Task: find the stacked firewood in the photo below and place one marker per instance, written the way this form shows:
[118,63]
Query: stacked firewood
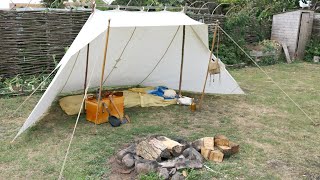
[168,157]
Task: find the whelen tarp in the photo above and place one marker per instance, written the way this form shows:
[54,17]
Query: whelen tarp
[144,49]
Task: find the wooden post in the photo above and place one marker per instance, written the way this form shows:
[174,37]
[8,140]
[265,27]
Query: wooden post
[182,57]
[86,75]
[93,6]
[102,73]
[212,47]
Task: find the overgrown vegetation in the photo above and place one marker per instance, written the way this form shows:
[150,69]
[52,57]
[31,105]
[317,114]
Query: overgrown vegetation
[249,22]
[23,84]
[313,49]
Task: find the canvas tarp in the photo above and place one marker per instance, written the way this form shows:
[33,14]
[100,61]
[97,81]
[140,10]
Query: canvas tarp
[144,49]
[132,97]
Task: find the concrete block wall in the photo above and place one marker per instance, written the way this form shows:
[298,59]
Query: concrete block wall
[285,29]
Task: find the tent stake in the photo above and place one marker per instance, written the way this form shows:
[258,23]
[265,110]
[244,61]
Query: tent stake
[86,74]
[102,73]
[182,57]
[212,47]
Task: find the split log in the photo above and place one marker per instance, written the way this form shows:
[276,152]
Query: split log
[205,153]
[221,140]
[152,149]
[216,156]
[208,143]
[169,143]
[234,147]
[173,146]
[226,150]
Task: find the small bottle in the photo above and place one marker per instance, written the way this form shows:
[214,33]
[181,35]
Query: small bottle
[193,106]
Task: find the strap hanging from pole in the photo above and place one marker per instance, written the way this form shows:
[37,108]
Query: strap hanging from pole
[102,71]
[182,57]
[210,58]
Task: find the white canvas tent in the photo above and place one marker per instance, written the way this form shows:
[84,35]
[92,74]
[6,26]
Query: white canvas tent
[144,48]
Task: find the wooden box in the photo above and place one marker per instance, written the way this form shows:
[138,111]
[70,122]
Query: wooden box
[91,108]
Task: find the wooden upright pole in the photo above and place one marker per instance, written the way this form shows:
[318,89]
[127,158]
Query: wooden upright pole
[86,76]
[182,57]
[212,47]
[93,6]
[102,71]
[86,73]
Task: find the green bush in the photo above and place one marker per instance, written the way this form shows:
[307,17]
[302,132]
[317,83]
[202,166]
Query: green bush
[313,49]
[249,21]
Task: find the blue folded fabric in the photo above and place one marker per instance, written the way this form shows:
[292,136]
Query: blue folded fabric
[159,91]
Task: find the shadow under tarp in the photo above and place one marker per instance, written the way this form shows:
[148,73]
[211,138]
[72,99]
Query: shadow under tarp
[132,97]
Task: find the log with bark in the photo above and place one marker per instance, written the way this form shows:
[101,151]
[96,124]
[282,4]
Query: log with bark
[152,149]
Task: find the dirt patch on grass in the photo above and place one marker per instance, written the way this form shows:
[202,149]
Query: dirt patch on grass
[118,173]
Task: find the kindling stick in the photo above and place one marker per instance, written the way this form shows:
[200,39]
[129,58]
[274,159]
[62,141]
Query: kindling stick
[182,57]
[102,73]
[205,81]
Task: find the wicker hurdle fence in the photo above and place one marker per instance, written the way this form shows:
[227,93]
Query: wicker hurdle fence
[33,42]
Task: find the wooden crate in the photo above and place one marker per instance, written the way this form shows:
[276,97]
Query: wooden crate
[91,109]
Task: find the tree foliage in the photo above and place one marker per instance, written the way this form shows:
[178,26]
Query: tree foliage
[53,3]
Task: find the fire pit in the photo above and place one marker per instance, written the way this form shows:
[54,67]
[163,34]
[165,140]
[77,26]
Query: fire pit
[169,157]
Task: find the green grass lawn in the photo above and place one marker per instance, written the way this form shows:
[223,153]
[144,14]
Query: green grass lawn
[276,140]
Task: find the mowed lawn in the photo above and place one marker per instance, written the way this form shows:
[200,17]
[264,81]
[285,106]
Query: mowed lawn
[276,139]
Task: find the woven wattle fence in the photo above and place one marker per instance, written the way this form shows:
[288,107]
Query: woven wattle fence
[33,42]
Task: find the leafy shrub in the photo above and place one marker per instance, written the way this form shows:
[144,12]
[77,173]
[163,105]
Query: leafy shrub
[20,84]
[313,49]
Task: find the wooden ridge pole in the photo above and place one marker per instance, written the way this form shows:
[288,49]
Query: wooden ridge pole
[212,47]
[102,71]
[182,57]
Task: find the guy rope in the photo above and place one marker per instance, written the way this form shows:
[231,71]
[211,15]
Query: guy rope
[295,103]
